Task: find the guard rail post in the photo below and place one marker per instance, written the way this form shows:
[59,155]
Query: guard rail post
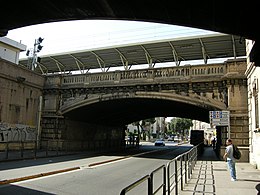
[181,171]
[21,148]
[163,185]
[189,165]
[185,165]
[133,185]
[6,150]
[176,176]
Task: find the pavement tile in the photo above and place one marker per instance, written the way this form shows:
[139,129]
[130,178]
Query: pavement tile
[213,178]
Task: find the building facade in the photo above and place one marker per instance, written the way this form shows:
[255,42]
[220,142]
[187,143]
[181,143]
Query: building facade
[253,75]
[10,49]
[20,96]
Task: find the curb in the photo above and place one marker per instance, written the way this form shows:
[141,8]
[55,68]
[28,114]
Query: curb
[3,182]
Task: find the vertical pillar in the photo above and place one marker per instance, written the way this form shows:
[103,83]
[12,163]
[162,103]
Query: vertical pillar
[237,105]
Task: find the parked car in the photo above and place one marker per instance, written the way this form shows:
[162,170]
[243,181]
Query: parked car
[159,142]
[171,138]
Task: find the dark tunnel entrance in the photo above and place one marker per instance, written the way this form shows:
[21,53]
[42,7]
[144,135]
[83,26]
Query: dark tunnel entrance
[120,112]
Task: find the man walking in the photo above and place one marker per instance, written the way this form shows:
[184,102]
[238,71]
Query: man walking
[231,162]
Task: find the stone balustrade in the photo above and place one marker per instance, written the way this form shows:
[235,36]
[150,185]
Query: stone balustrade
[139,75]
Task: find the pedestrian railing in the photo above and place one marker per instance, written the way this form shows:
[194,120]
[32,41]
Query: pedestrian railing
[19,146]
[146,178]
[162,185]
[174,175]
[14,150]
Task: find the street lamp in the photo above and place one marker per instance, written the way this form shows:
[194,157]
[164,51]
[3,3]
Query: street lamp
[32,53]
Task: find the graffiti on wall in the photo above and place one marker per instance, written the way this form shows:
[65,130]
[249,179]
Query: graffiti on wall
[17,132]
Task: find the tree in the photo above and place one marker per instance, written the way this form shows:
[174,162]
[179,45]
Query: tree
[137,123]
[141,124]
[181,125]
[148,122]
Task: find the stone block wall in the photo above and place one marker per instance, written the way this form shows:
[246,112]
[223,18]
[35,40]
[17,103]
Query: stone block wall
[20,90]
[68,135]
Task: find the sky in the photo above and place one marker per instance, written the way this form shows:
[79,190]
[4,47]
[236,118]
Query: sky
[76,35]
[87,34]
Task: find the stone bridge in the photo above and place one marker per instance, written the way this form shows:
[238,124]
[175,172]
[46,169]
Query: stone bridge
[97,106]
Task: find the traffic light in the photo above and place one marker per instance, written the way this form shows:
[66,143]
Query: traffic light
[33,59]
[38,59]
[39,48]
[28,52]
[39,40]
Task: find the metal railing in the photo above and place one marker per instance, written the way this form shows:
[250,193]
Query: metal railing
[162,185]
[137,183]
[179,170]
[15,150]
[20,147]
[175,174]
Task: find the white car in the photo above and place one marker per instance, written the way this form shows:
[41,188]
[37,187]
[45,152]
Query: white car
[159,142]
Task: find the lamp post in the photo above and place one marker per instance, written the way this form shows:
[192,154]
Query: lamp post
[32,53]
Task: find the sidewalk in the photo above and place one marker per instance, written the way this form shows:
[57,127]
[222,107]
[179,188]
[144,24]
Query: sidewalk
[212,177]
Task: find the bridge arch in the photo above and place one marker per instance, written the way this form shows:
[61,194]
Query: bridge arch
[124,108]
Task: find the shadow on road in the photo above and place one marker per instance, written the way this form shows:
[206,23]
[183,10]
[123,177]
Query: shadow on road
[143,151]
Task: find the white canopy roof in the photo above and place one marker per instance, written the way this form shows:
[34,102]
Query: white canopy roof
[202,47]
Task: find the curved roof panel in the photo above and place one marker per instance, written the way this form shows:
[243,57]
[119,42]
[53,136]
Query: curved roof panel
[201,47]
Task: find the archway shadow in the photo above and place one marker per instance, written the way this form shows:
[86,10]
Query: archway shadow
[10,189]
[208,154]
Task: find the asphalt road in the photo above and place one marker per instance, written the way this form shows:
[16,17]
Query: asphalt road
[99,179]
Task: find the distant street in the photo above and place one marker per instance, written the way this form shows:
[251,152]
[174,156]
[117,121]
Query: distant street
[104,179]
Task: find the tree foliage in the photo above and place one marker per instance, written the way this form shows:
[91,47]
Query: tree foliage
[141,124]
[180,124]
[149,120]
